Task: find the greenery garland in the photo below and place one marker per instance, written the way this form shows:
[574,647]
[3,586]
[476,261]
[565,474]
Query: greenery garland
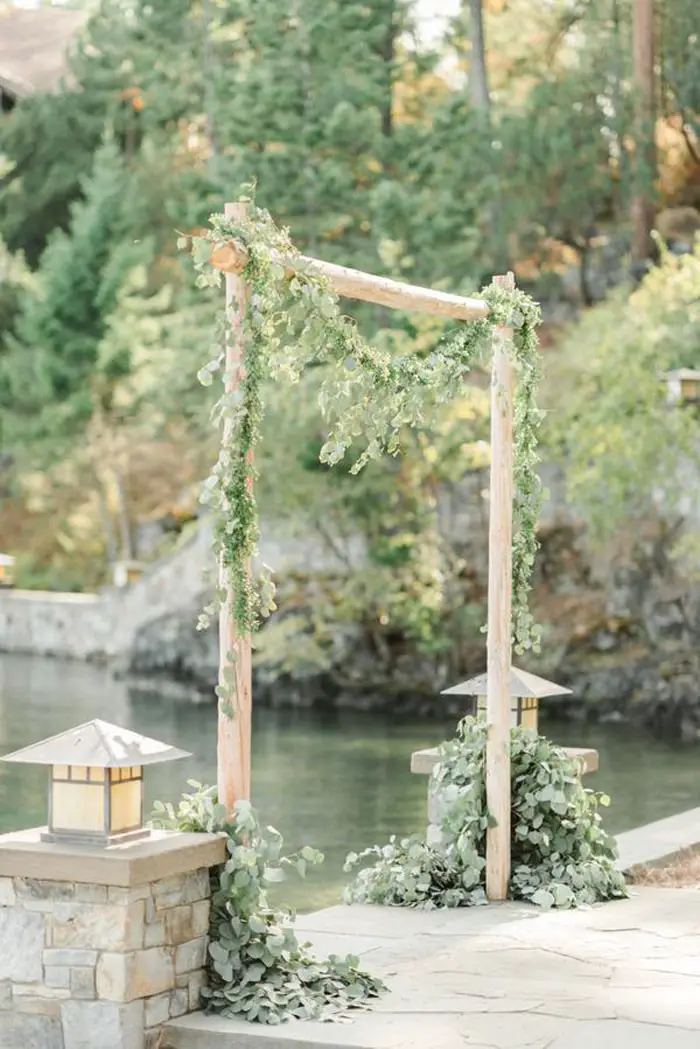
[561,855]
[258,970]
[368,396]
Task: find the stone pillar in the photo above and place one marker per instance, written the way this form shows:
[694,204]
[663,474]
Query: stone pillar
[98,948]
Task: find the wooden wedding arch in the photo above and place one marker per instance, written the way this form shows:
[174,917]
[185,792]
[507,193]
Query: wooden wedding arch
[234,734]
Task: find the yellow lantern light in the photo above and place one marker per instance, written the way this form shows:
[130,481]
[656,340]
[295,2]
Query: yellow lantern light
[683,386]
[7,570]
[526,690]
[96,781]
[127,572]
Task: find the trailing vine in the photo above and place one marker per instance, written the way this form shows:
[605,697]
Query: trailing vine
[561,855]
[368,398]
[258,970]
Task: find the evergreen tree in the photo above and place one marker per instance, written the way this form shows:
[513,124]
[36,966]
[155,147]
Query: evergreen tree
[136,69]
[59,332]
[302,103]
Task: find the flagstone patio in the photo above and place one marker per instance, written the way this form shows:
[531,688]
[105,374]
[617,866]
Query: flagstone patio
[623,974]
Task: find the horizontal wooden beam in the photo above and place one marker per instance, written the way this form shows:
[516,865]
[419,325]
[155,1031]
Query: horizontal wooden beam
[353,284]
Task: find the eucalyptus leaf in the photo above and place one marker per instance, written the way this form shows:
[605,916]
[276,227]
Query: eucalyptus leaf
[259,971]
[561,856]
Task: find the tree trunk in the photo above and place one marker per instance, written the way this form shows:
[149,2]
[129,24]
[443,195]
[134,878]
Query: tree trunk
[584,262]
[478,77]
[106,521]
[209,72]
[621,202]
[122,510]
[388,53]
[644,81]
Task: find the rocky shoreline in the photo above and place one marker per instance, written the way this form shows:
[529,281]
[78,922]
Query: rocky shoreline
[623,638]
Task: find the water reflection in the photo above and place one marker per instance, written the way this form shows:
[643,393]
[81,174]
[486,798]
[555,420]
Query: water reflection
[337,780]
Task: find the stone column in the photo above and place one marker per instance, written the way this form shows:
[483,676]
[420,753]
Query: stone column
[98,948]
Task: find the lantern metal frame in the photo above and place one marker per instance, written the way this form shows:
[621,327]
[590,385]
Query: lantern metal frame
[75,837]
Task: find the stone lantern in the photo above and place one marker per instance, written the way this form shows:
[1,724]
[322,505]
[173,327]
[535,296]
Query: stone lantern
[126,572]
[683,386]
[526,690]
[95,794]
[7,570]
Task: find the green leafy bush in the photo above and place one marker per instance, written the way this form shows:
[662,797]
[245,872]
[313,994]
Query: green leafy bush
[561,855]
[258,969]
[625,453]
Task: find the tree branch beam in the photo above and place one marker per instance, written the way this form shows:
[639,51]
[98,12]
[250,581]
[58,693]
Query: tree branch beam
[354,284]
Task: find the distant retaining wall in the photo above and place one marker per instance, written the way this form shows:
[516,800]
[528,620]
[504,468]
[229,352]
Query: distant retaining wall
[103,626]
[93,626]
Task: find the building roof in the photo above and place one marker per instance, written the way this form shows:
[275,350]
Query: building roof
[522,684]
[97,743]
[33,47]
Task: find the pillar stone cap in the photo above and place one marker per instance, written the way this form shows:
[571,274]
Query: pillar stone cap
[424,761]
[163,854]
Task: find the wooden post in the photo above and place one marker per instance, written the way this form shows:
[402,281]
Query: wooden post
[235,653]
[499,613]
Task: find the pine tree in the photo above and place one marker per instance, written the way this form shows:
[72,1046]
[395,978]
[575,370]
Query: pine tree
[136,70]
[302,104]
[80,274]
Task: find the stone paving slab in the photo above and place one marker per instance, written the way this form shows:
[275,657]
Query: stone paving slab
[655,842]
[623,975]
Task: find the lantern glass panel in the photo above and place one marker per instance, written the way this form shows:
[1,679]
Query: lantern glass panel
[79,773]
[125,806]
[97,774]
[77,807]
[528,717]
[61,772]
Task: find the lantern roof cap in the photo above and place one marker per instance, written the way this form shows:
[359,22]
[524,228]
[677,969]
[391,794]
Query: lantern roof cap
[6,559]
[522,685]
[682,373]
[97,743]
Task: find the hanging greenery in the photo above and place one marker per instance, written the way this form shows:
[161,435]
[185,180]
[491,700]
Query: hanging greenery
[258,970]
[368,397]
[561,856]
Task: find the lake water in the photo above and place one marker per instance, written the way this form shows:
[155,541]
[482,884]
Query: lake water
[339,781]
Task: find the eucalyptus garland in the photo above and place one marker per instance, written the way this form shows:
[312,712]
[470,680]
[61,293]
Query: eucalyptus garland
[258,969]
[368,397]
[561,854]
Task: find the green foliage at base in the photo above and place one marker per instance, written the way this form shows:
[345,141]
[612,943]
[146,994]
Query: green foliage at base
[561,856]
[258,969]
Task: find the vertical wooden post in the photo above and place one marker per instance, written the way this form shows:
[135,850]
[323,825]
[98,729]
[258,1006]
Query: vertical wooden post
[499,613]
[235,653]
